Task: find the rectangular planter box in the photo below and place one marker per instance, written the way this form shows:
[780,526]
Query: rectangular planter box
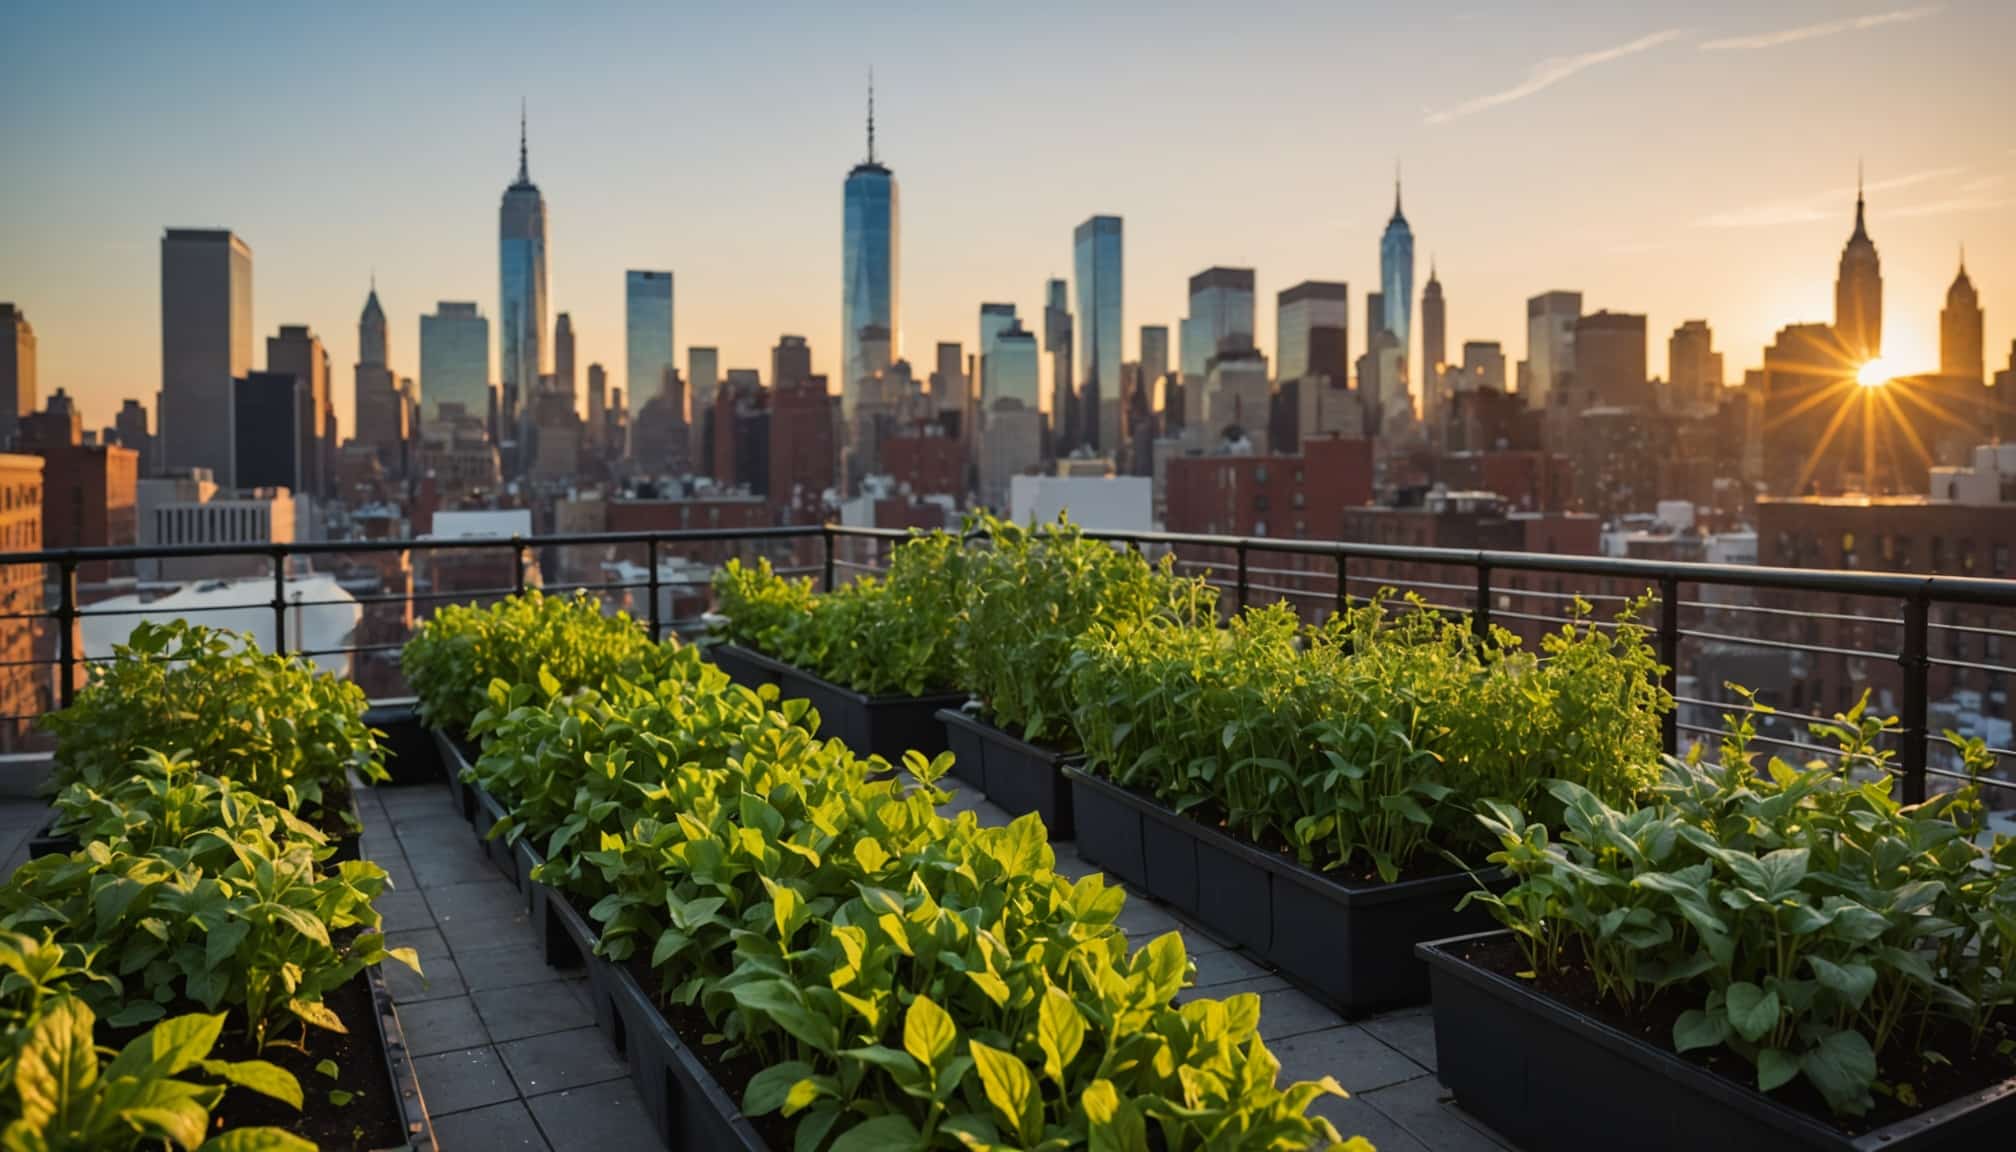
[452,763]
[1349,944]
[399,1066]
[885,726]
[411,755]
[1551,1079]
[488,811]
[686,1104]
[1017,776]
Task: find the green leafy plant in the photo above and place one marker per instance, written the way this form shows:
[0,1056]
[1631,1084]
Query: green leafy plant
[1814,924]
[1031,593]
[1367,740]
[905,979]
[272,723]
[59,1095]
[887,635]
[451,660]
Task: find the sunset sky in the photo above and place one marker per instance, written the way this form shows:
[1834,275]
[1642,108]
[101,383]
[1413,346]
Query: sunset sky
[1682,160]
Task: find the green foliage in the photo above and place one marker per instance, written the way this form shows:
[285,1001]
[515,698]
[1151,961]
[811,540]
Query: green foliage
[893,635]
[905,979]
[1031,593]
[1817,923]
[1369,739]
[271,723]
[57,1094]
[531,639]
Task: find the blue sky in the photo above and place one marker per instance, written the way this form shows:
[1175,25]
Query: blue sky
[1679,160]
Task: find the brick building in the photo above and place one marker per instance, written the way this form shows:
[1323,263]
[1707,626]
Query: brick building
[89,491]
[24,687]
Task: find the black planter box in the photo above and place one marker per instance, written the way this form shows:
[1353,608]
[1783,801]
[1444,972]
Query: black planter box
[1349,944]
[411,756]
[399,1066]
[686,1104]
[743,665]
[885,726]
[1550,1079]
[1017,776]
[489,810]
[453,761]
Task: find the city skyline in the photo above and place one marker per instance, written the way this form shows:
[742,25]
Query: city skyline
[84,267]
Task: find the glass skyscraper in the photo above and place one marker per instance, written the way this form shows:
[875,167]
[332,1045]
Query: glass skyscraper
[870,301]
[647,336]
[454,362]
[1098,326]
[1221,314]
[994,320]
[521,241]
[1396,277]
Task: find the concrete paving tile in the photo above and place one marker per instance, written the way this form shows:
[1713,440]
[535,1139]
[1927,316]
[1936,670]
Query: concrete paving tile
[1410,1030]
[1259,985]
[1358,1061]
[1226,967]
[506,1127]
[1354,1117]
[572,1059]
[435,871]
[474,933]
[1142,919]
[533,1009]
[598,1118]
[403,911]
[442,1025]
[1426,1110]
[505,966]
[437,980]
[1286,1012]
[463,1079]
[477,900]
[426,941]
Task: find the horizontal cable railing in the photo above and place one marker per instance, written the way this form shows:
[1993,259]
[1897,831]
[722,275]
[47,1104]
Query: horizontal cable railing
[1867,623]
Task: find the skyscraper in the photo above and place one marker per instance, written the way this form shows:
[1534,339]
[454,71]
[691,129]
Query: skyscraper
[1858,291]
[994,320]
[380,410]
[1375,315]
[1610,361]
[454,364]
[206,343]
[703,380]
[17,371]
[298,352]
[521,240]
[870,292]
[647,335]
[1550,344]
[1693,368]
[563,356]
[1098,328]
[1312,331]
[1434,325]
[1396,278]
[1154,353]
[1960,344]
[1057,335]
[1221,308]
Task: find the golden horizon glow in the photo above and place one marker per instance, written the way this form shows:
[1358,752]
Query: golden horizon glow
[1875,373]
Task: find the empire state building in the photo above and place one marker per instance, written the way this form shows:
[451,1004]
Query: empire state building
[1858,293]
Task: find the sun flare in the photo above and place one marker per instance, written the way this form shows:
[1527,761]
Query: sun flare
[1875,373]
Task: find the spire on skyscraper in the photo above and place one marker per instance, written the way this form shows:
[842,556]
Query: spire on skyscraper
[524,166]
[871,114]
[1861,233]
[1397,214]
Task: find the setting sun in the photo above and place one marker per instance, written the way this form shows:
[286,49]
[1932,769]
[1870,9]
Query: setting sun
[1875,373]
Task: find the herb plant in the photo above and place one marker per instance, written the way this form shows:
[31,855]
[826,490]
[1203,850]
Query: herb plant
[1031,593]
[58,1095]
[1814,925]
[272,723]
[453,657]
[1368,740]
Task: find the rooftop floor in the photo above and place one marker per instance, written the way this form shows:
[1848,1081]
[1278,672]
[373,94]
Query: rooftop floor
[509,1057]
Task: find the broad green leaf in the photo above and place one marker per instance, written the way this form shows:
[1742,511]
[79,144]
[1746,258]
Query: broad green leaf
[1775,1067]
[259,1076]
[767,1089]
[1117,1125]
[1842,1066]
[928,1033]
[256,1140]
[888,1133]
[1009,1087]
[1060,1030]
[1697,1029]
[1752,1012]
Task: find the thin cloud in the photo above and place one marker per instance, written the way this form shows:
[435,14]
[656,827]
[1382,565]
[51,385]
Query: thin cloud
[1828,205]
[1548,73]
[1951,207]
[1817,31]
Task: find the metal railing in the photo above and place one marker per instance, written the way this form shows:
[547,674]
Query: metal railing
[1757,609]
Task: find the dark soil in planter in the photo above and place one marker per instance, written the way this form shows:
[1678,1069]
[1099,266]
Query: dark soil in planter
[1970,1069]
[372,1119]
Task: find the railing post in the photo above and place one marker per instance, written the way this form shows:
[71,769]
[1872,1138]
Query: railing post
[1917,663]
[651,560]
[826,530]
[1669,659]
[1480,616]
[1242,575]
[66,626]
[280,599]
[517,564]
[1343,583]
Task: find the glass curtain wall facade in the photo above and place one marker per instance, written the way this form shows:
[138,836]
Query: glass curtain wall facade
[521,237]
[1098,326]
[870,297]
[1396,278]
[647,336]
[454,362]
